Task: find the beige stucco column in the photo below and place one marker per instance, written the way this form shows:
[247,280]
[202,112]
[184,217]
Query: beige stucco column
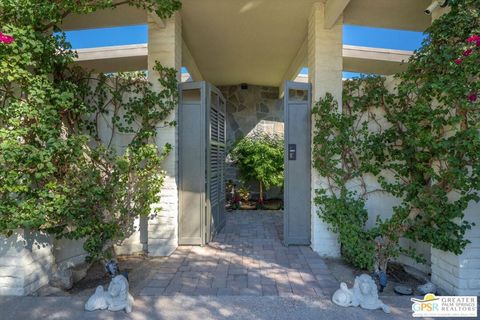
[325,65]
[165,46]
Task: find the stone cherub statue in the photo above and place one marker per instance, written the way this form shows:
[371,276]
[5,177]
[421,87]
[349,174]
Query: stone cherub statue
[364,294]
[116,298]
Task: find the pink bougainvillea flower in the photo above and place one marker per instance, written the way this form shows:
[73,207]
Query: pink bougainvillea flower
[467,52]
[472,97]
[473,39]
[458,61]
[6,39]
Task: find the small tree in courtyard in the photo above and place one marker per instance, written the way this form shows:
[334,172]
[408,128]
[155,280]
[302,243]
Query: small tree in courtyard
[260,158]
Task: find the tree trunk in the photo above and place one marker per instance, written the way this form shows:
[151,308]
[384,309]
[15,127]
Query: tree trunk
[261,193]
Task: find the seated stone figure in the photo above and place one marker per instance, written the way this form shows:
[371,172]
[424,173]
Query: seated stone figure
[364,294]
[116,298]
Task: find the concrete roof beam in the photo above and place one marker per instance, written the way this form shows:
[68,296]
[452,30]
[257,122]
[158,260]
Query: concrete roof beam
[333,10]
[134,57]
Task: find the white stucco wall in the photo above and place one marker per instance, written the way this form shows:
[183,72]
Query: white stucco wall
[380,204]
[26,260]
[119,142]
[460,275]
[68,253]
[377,203]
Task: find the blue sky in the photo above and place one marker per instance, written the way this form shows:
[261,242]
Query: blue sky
[353,35]
[107,36]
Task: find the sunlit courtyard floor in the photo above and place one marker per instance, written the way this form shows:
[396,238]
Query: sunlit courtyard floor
[246,258]
[245,273]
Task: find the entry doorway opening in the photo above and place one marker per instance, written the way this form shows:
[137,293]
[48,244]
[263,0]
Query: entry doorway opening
[274,133]
[257,116]
[255,148]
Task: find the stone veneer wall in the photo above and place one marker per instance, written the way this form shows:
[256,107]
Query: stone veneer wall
[253,109]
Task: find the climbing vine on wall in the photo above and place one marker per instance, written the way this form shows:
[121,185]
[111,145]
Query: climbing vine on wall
[57,174]
[418,143]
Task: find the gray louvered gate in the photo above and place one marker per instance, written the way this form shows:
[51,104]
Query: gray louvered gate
[201,136]
[297,191]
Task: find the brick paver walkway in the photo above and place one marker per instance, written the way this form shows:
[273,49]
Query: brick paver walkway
[246,258]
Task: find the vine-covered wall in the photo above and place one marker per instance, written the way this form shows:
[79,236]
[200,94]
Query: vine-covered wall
[417,144]
[59,177]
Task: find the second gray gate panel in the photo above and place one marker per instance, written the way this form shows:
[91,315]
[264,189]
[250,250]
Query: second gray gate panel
[297,191]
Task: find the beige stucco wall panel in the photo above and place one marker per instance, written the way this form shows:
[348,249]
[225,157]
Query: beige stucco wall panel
[115,64]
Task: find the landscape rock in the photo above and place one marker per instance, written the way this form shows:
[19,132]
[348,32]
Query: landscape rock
[62,278]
